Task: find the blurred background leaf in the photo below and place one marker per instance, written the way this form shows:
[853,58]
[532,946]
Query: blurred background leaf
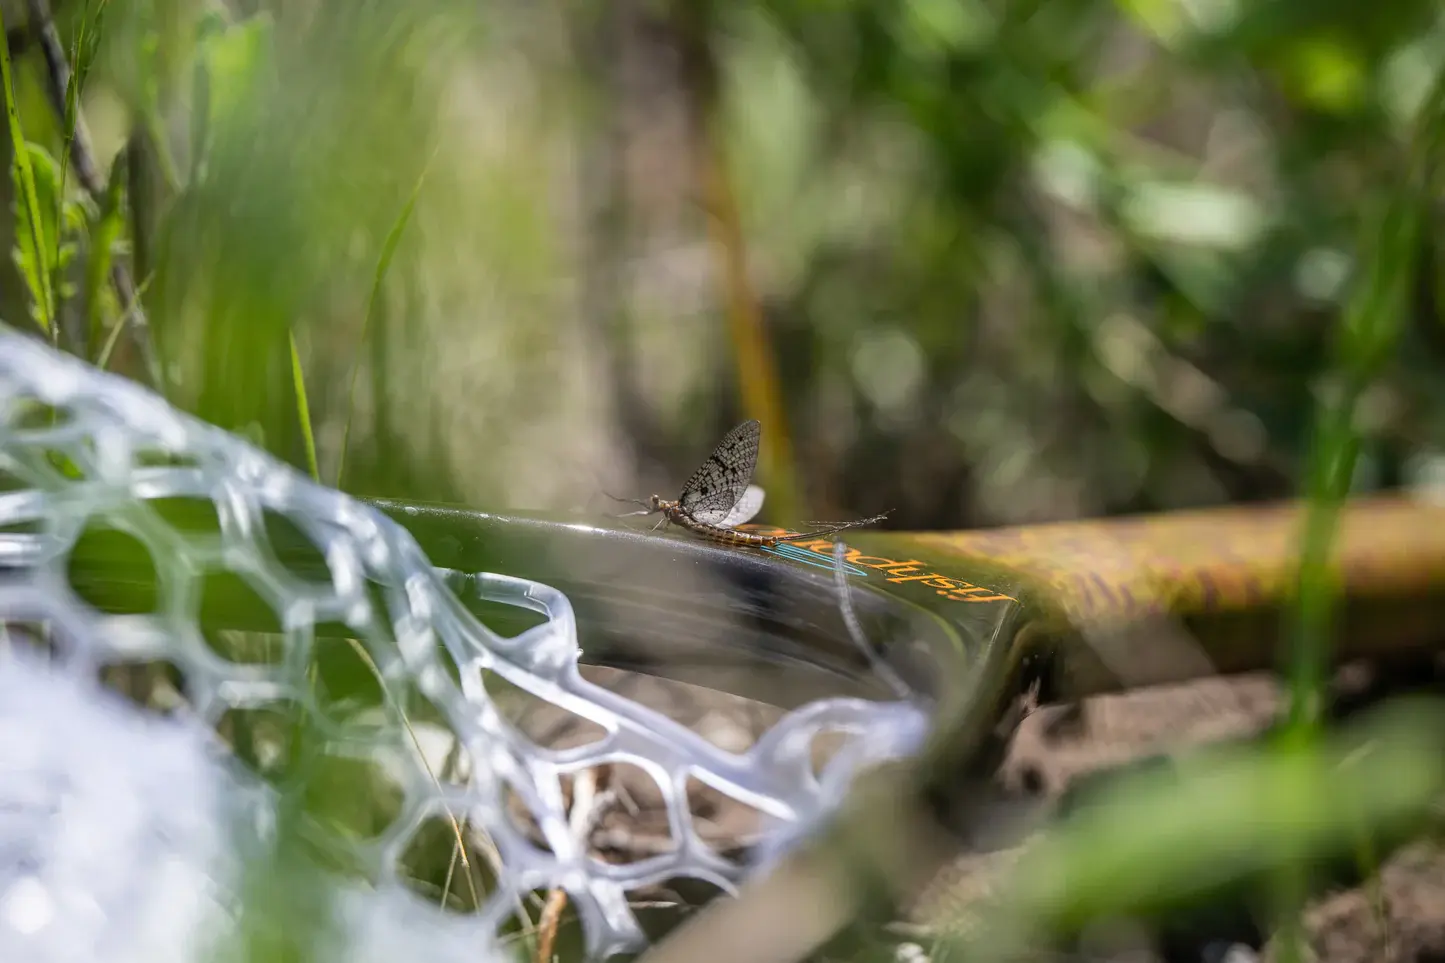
[995,260]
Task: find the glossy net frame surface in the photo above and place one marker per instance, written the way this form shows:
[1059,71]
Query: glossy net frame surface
[80,449]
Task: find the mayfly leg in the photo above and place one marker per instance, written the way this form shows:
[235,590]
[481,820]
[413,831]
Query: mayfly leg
[646,508]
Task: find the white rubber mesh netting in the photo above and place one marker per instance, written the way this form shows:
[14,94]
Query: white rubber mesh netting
[121,828]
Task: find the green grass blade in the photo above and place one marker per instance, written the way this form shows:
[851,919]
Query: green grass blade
[1368,334]
[383,265]
[79,67]
[30,233]
[125,320]
[303,410]
[104,235]
[1369,331]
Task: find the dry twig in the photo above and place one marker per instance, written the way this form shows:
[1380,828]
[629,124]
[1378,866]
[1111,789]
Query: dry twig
[588,806]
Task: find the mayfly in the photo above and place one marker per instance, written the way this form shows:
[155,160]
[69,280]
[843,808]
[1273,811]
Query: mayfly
[719,496]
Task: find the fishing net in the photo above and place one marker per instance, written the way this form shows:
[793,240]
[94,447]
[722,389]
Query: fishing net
[138,748]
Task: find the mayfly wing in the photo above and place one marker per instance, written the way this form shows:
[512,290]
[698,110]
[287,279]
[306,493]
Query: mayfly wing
[720,481]
[745,510]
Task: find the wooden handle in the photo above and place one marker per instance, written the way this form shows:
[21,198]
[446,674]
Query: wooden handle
[1220,559]
[1225,573]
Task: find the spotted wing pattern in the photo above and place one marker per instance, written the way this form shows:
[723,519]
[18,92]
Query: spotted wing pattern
[748,506]
[720,482]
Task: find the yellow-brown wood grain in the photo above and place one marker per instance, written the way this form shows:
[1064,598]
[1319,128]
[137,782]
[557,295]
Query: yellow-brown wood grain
[1237,558]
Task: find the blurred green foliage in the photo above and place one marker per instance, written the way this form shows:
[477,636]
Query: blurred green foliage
[1017,260]
[1307,805]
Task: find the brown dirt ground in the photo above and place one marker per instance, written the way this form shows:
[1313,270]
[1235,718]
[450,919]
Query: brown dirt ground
[1055,746]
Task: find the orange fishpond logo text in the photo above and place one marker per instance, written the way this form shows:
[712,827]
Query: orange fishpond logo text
[819,553]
